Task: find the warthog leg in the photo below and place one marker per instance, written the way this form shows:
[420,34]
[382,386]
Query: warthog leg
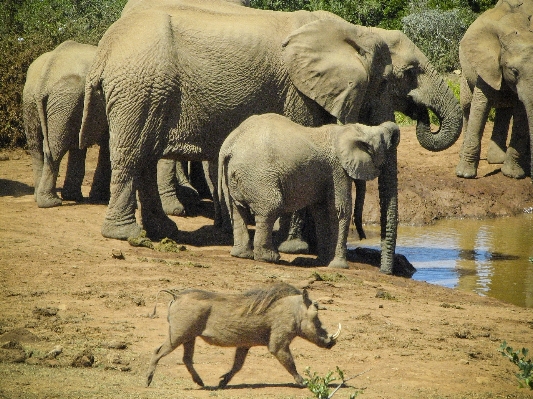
[163,350]
[284,356]
[240,356]
[188,352]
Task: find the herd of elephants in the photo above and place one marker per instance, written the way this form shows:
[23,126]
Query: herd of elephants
[283,110]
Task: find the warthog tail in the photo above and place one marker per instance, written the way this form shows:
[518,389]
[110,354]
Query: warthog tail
[171,292]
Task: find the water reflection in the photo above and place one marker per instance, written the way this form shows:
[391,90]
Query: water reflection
[489,257]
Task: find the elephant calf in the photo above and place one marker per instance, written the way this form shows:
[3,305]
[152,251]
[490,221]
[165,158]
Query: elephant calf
[273,166]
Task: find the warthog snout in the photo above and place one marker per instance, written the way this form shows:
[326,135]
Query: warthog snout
[270,316]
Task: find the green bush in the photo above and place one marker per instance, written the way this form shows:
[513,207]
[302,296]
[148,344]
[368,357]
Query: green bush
[438,33]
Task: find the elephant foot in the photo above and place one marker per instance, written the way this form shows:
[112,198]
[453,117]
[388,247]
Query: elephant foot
[110,229]
[467,170]
[266,255]
[71,195]
[239,251]
[48,200]
[294,246]
[338,263]
[172,206]
[512,169]
[159,227]
[495,154]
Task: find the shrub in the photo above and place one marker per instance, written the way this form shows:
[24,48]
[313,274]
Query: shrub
[28,28]
[438,33]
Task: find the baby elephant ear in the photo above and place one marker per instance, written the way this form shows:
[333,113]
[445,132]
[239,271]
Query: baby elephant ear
[362,149]
[329,61]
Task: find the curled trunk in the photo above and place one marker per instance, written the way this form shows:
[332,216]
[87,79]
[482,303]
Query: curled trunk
[433,93]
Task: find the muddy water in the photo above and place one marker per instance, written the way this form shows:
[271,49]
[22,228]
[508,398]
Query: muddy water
[489,257]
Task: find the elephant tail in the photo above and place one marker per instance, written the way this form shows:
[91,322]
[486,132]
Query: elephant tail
[40,102]
[93,106]
[223,190]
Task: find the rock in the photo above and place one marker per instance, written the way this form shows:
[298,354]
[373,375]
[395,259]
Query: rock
[402,267]
[19,335]
[83,359]
[58,349]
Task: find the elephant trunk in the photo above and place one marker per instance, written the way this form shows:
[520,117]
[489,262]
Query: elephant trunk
[433,93]
[388,201]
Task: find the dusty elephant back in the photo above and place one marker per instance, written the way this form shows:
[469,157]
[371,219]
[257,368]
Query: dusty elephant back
[215,74]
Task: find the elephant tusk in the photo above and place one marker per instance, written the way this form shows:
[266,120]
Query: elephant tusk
[336,335]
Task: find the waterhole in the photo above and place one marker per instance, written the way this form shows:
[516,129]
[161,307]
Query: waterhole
[491,257]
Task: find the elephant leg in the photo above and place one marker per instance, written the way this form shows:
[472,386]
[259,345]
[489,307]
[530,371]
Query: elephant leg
[295,244]
[360,193]
[518,145]
[470,151]
[320,215]
[102,176]
[46,193]
[498,141]
[74,176]
[185,191]
[154,219]
[120,222]
[37,160]
[263,248]
[242,244]
[221,216]
[167,183]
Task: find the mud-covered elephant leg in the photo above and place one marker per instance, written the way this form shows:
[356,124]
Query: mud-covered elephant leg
[155,221]
[471,149]
[498,141]
[74,175]
[516,157]
[388,200]
[167,183]
[295,243]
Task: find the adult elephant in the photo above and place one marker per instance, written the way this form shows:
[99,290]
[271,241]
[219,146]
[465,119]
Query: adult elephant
[52,103]
[177,79]
[494,59]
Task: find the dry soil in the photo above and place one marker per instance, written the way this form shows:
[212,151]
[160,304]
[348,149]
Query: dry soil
[74,305]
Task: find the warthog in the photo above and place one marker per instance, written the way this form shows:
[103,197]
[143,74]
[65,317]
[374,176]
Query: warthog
[272,316]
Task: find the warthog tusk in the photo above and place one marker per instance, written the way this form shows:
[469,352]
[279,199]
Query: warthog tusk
[336,335]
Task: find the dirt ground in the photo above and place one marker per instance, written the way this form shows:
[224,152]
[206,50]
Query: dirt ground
[74,305]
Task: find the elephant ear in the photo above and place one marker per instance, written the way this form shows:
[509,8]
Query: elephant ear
[329,61]
[350,145]
[481,46]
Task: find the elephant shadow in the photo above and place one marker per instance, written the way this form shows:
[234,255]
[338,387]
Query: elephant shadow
[11,188]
